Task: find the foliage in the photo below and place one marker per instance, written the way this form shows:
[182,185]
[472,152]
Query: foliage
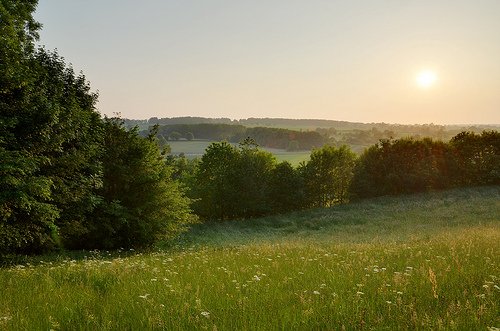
[27,216]
[49,138]
[409,165]
[327,176]
[232,182]
[286,188]
[174,135]
[266,137]
[65,175]
[401,166]
[250,178]
[476,158]
[140,202]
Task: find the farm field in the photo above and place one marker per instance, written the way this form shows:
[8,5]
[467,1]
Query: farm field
[196,148]
[426,261]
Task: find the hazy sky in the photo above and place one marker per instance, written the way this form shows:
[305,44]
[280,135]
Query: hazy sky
[343,60]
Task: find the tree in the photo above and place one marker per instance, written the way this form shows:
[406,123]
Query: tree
[327,175]
[175,136]
[214,190]
[476,158]
[251,175]
[286,188]
[49,137]
[140,202]
[232,182]
[189,136]
[399,166]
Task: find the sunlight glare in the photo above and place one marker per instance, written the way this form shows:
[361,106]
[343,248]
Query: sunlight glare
[426,78]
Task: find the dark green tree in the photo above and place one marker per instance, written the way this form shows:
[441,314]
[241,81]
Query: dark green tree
[140,202]
[286,188]
[251,176]
[175,136]
[476,158]
[214,190]
[327,175]
[400,166]
[50,136]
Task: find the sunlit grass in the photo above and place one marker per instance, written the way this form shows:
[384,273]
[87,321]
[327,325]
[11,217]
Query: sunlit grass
[379,264]
[196,148]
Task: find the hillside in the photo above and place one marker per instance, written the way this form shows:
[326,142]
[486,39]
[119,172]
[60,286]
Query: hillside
[427,261]
[416,217]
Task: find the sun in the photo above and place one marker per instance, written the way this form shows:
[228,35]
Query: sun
[426,78]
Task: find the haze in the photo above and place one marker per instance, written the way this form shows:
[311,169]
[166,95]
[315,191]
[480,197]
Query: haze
[340,60]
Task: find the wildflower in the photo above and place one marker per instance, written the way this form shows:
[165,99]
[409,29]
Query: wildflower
[359,293]
[256,278]
[389,302]
[497,287]
[399,292]
[154,279]
[205,314]
[316,292]
[145,296]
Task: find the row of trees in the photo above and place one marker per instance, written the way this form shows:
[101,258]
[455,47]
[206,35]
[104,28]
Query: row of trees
[414,165]
[237,182]
[69,178]
[266,137]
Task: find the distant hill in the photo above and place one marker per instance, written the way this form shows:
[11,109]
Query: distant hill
[308,132]
[304,124]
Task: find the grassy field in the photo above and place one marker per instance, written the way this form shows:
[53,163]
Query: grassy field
[196,148]
[428,261]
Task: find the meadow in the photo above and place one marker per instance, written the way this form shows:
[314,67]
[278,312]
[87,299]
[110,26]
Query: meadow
[196,148]
[425,261]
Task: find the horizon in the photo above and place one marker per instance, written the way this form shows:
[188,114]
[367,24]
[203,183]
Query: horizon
[314,119]
[379,62]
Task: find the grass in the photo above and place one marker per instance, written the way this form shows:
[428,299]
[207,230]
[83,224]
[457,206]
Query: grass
[427,261]
[196,148]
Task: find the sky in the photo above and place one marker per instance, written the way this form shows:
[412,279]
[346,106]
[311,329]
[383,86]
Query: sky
[351,60]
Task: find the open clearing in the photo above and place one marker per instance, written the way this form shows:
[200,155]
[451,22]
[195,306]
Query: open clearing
[426,261]
[196,148]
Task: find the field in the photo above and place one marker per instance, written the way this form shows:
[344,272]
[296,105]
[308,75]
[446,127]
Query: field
[427,261]
[196,148]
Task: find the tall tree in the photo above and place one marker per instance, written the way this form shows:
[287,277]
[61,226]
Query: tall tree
[214,190]
[49,136]
[140,202]
[328,175]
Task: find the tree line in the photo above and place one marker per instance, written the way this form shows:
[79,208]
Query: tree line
[231,182]
[234,133]
[72,179]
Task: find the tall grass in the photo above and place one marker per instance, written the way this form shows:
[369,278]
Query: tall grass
[428,261]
